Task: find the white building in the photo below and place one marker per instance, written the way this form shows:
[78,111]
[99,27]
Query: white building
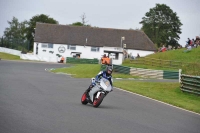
[52,40]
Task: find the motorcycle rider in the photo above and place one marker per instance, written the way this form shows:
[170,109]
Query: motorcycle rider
[107,74]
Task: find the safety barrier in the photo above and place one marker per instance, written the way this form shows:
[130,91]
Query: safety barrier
[10,51]
[171,74]
[190,84]
[38,58]
[81,60]
[146,73]
[158,74]
[14,43]
[118,68]
[188,68]
[121,69]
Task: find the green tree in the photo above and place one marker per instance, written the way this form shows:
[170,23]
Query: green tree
[162,25]
[83,23]
[15,35]
[16,29]
[32,24]
[77,24]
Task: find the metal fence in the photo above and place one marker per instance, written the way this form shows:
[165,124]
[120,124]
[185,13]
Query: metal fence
[17,44]
[157,62]
[190,84]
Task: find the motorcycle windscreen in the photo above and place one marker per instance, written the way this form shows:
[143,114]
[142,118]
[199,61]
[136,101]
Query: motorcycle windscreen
[105,84]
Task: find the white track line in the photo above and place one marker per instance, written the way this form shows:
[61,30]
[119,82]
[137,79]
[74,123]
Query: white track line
[151,98]
[158,101]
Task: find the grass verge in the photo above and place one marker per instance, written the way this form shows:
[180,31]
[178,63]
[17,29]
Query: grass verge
[6,56]
[190,61]
[87,71]
[165,92]
[129,64]
[191,56]
[162,91]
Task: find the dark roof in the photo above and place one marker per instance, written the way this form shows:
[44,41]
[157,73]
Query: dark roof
[76,35]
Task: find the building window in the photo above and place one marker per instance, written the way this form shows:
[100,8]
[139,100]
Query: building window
[44,45]
[114,56]
[71,47]
[95,49]
[117,56]
[47,45]
[50,45]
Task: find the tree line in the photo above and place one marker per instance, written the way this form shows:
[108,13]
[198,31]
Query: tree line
[160,24]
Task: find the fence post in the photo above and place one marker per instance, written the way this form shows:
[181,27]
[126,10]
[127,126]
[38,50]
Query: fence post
[160,62]
[180,70]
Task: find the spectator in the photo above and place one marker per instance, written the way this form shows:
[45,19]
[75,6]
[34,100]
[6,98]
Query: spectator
[169,47]
[192,42]
[105,59]
[187,43]
[61,60]
[163,49]
[189,48]
[197,41]
[138,56]
[130,55]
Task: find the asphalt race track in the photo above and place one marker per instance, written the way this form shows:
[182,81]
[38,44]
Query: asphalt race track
[33,100]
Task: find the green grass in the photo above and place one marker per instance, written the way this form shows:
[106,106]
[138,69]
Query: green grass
[166,92]
[80,71]
[190,60]
[87,71]
[192,56]
[6,56]
[127,63]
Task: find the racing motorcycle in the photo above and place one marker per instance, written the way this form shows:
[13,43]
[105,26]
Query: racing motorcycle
[96,95]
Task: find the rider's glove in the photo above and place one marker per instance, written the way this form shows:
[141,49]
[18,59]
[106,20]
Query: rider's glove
[93,84]
[96,81]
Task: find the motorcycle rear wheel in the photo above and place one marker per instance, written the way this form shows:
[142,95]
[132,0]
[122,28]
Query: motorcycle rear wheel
[97,101]
[84,98]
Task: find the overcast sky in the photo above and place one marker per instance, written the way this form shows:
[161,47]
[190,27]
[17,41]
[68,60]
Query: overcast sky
[119,14]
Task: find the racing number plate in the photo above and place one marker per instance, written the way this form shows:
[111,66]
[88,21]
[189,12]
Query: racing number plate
[107,83]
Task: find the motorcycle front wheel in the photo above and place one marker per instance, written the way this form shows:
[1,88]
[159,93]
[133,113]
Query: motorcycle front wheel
[84,98]
[97,101]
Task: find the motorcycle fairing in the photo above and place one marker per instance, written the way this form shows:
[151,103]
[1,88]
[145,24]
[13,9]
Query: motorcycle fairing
[105,84]
[93,91]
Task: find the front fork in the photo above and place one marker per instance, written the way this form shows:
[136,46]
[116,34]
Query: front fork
[98,93]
